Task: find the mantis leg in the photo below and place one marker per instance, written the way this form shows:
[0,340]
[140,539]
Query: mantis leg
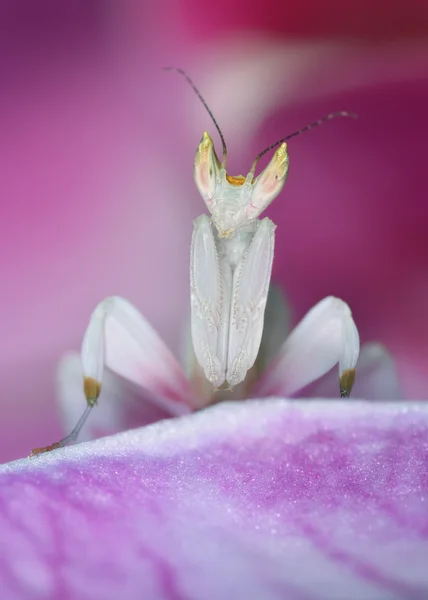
[326,336]
[377,377]
[228,306]
[251,281]
[209,301]
[119,337]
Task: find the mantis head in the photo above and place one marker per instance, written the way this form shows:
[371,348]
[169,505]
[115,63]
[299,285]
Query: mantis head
[235,201]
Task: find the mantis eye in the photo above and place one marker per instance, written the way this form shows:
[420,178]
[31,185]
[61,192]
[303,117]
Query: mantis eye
[207,167]
[269,183]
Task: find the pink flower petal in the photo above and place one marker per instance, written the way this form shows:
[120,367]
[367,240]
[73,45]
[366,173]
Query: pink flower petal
[264,499]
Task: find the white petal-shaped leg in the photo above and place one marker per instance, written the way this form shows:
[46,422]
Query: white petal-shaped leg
[327,335]
[119,338]
[276,327]
[209,303]
[251,281]
[123,405]
[377,378]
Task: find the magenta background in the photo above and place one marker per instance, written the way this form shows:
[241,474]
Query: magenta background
[96,156]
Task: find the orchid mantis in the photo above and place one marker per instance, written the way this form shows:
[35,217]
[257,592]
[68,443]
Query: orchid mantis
[230,270]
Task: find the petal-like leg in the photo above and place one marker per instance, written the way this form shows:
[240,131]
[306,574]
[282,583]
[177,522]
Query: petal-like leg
[207,303]
[251,281]
[123,405]
[327,335]
[377,378]
[119,338]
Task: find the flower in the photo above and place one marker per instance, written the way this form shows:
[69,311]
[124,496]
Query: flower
[259,499]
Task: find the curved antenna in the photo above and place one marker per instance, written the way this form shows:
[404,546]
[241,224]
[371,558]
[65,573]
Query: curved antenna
[198,93]
[329,117]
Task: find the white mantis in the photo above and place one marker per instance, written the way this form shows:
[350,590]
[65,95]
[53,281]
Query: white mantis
[230,269]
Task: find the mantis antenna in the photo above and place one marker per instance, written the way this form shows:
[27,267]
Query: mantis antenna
[201,98]
[328,117]
[342,113]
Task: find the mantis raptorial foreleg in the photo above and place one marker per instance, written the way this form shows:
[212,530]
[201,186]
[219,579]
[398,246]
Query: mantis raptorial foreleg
[251,281]
[207,301]
[229,283]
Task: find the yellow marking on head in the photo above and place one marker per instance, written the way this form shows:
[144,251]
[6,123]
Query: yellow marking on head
[238,180]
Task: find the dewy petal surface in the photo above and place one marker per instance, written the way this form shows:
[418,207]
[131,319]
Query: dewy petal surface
[264,499]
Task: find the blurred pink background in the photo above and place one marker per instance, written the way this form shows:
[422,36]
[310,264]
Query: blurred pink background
[97,148]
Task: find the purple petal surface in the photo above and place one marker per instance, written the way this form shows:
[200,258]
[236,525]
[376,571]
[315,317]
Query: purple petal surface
[262,499]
